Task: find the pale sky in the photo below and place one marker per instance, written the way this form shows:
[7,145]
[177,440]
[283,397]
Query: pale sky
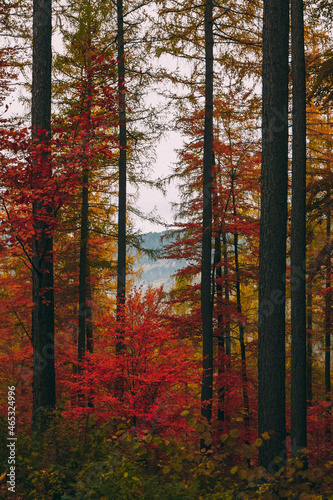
[149,199]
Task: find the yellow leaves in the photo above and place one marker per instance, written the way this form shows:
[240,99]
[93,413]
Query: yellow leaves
[298,463]
[207,436]
[191,420]
[234,433]
[242,474]
[224,437]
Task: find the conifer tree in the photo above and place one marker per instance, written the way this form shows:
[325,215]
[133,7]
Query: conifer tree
[44,397]
[206,258]
[121,266]
[298,234]
[273,225]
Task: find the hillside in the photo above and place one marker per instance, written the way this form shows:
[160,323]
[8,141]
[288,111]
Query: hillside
[156,272]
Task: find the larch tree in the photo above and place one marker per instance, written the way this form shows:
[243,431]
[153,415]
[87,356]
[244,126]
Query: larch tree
[44,397]
[273,225]
[206,258]
[121,266]
[298,234]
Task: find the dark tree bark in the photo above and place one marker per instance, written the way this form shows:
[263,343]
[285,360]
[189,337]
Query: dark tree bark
[44,397]
[272,251]
[220,328]
[328,313]
[328,326]
[85,325]
[89,326]
[224,342]
[298,235]
[83,266]
[206,301]
[121,275]
[309,347]
[226,295]
[121,268]
[241,327]
[242,340]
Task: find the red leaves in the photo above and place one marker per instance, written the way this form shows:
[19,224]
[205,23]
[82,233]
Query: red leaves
[157,367]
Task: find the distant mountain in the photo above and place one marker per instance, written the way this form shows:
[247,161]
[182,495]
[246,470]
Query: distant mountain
[157,272]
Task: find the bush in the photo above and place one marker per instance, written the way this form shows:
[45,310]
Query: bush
[80,460]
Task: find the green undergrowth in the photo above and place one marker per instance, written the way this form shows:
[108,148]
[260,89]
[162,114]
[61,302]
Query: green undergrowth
[84,461]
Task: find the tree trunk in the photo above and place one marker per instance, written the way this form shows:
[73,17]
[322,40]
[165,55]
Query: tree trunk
[226,332]
[240,324]
[328,324]
[121,268]
[226,294]
[206,302]
[44,398]
[83,264]
[84,286]
[220,330]
[298,235]
[89,327]
[272,251]
[309,346]
[241,336]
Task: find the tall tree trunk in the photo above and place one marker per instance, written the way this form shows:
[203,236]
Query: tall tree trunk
[272,252]
[240,324]
[219,303]
[121,268]
[206,302]
[220,329]
[89,328]
[328,325]
[298,235]
[227,337]
[84,305]
[44,397]
[226,294]
[309,346]
[241,335]
[83,265]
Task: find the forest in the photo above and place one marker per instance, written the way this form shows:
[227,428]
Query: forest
[220,386]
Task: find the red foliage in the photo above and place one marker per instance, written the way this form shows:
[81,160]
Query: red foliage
[159,369]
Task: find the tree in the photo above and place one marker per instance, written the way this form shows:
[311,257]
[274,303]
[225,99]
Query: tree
[158,367]
[121,266]
[44,397]
[298,234]
[273,223]
[206,258]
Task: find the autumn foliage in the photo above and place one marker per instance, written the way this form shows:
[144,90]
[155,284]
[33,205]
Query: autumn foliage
[128,419]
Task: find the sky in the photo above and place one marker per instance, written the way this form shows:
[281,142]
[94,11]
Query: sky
[152,198]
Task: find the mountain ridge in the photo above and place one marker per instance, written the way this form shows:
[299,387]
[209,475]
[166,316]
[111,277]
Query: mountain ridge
[156,272]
